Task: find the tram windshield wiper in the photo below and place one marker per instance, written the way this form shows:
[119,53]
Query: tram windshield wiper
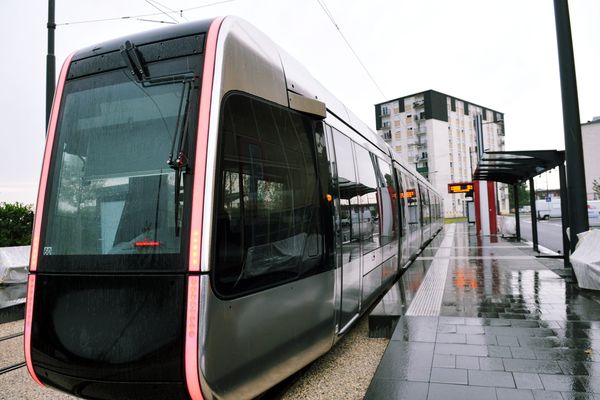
[180,162]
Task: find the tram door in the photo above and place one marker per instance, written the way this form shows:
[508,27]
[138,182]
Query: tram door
[347,228]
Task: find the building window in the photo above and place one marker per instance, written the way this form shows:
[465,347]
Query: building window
[387,135]
[386,124]
[385,110]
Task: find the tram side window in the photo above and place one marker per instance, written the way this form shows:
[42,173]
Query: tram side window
[411,195]
[368,215]
[349,197]
[386,188]
[425,205]
[268,228]
[401,179]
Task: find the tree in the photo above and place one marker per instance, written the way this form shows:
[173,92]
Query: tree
[523,195]
[16,222]
[596,188]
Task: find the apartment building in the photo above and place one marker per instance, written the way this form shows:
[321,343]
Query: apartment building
[435,133]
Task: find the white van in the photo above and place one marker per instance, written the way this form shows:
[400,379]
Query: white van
[551,209]
[546,209]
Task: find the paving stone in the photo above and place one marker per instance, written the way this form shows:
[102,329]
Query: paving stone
[535,366]
[499,351]
[523,352]
[406,361]
[451,338]
[525,380]
[449,375]
[514,394]
[546,395]
[416,329]
[461,349]
[396,390]
[562,383]
[578,396]
[443,391]
[574,367]
[444,361]
[491,378]
[481,339]
[467,362]
[491,364]
[504,340]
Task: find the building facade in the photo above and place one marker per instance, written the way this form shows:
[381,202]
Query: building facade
[436,134]
[590,138]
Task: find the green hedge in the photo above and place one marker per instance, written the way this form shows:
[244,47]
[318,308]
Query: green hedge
[16,223]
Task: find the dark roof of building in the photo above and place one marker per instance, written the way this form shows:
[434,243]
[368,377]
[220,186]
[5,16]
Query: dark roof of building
[431,90]
[516,166]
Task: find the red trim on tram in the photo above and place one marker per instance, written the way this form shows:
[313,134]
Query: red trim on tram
[192,375]
[28,320]
[37,227]
[202,143]
[191,339]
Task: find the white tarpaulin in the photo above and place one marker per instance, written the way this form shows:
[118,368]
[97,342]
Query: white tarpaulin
[508,226]
[14,264]
[586,260]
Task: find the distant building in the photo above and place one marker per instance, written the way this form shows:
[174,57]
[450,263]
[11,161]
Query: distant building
[436,134]
[590,138]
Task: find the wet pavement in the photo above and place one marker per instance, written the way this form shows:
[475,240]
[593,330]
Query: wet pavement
[508,326]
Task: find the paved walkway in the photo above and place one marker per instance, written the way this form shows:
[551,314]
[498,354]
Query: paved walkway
[508,326]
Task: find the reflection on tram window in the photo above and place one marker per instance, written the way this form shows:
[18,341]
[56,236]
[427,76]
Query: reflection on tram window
[388,198]
[268,228]
[424,205]
[368,216]
[349,198]
[412,199]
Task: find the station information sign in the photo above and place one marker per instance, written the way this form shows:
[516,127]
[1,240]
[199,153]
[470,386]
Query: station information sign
[462,187]
[409,194]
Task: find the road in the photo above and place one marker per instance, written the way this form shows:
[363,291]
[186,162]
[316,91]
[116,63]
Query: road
[549,232]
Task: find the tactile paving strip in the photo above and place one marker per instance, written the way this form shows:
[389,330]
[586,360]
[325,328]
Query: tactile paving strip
[428,300]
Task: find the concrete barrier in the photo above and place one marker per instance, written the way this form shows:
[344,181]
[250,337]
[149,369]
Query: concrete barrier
[14,264]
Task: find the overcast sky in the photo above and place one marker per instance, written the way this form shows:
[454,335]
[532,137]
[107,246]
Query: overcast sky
[500,54]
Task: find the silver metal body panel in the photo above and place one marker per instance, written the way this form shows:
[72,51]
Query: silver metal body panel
[248,344]
[248,61]
[251,343]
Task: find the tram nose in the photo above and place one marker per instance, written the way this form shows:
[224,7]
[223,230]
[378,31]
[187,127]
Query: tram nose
[103,336]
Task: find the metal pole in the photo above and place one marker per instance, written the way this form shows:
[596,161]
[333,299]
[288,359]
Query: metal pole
[564,211]
[50,62]
[534,232]
[517,220]
[576,193]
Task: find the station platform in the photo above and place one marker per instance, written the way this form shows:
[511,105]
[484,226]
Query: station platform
[490,321]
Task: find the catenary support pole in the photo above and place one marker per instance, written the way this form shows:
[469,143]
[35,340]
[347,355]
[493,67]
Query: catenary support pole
[564,211]
[534,232]
[517,220]
[576,192]
[50,62]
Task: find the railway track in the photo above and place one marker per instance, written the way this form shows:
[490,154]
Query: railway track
[4,343]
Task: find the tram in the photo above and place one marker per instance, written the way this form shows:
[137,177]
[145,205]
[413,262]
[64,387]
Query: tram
[209,220]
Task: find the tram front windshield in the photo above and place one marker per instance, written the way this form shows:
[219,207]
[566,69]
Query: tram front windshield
[111,191]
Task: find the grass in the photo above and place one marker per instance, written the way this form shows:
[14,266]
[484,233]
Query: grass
[453,220]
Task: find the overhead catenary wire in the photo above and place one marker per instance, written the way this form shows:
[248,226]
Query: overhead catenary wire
[180,12]
[142,16]
[330,16]
[151,3]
